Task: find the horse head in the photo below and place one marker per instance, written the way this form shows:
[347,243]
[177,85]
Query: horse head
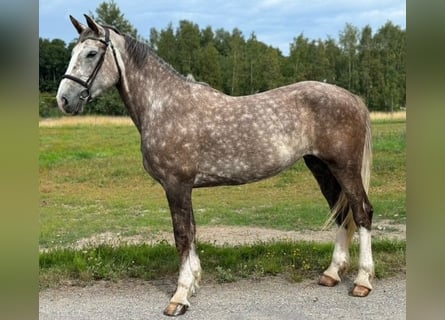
[92,69]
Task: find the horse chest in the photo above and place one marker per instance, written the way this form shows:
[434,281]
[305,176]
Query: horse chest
[165,156]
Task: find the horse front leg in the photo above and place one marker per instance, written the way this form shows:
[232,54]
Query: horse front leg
[179,199]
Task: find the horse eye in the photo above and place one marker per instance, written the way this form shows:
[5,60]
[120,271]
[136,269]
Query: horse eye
[91,54]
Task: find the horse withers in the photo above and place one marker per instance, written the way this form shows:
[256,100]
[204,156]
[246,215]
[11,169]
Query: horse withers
[195,136]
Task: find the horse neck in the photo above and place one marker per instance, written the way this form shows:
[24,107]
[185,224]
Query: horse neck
[144,87]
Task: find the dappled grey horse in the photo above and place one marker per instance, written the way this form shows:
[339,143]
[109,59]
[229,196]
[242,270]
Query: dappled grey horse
[195,136]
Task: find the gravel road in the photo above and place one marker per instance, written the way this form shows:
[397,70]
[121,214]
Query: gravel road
[269,298]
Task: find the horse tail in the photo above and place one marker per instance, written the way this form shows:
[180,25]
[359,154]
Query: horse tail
[342,203]
[367,156]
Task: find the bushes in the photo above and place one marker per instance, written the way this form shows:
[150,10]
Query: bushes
[109,103]
[48,105]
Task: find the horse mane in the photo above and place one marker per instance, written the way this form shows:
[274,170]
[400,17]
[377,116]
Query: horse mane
[137,50]
[139,53]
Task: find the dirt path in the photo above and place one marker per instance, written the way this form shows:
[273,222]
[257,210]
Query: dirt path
[222,235]
[269,298]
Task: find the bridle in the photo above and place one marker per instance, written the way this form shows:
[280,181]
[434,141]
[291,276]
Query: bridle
[85,94]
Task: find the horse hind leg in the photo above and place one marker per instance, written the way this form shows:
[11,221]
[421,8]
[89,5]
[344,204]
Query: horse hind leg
[366,264]
[362,212]
[339,206]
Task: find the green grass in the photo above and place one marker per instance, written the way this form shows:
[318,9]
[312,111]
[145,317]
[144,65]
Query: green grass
[92,181]
[388,183]
[295,261]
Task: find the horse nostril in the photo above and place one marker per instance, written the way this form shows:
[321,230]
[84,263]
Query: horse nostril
[64,101]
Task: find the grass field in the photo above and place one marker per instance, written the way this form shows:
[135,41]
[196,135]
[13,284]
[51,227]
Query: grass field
[92,181]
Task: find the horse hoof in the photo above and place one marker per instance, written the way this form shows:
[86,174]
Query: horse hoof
[327,281]
[175,309]
[360,291]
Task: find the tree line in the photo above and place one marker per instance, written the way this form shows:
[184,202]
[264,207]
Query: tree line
[371,65]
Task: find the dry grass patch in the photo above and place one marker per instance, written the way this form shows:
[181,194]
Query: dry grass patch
[85,120]
[399,115]
[124,121]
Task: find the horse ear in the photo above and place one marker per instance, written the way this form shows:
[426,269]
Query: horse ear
[79,27]
[92,24]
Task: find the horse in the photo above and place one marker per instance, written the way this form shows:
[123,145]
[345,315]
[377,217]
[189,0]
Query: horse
[193,136]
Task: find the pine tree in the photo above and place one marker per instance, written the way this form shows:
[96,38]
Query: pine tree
[237,60]
[299,58]
[333,57]
[209,66]
[188,41]
[109,13]
[390,42]
[166,46]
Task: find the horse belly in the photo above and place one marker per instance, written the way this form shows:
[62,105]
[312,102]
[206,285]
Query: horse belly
[247,165]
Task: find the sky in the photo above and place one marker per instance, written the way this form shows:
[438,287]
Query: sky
[275,22]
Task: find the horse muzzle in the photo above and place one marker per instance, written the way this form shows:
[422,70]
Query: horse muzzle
[71,104]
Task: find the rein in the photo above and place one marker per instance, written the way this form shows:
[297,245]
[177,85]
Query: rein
[85,94]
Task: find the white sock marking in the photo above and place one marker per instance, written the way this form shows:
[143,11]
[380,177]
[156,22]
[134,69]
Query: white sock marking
[340,256]
[189,276]
[366,263]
